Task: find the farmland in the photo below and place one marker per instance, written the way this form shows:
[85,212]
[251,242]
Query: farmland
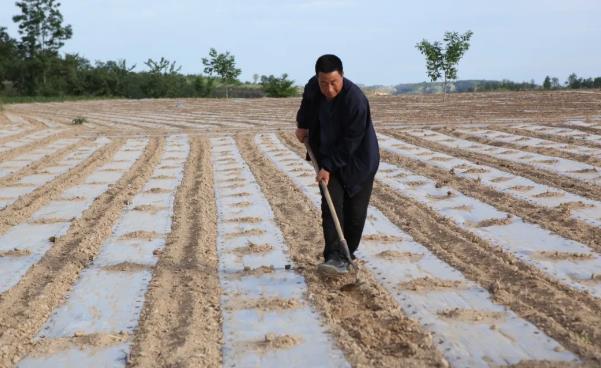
[186,232]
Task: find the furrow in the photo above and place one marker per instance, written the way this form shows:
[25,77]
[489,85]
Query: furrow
[571,262]
[557,165]
[547,147]
[570,317]
[17,120]
[544,177]
[590,125]
[12,133]
[108,296]
[119,120]
[180,323]
[25,307]
[49,123]
[554,133]
[31,240]
[261,301]
[38,167]
[18,163]
[24,144]
[364,318]
[26,184]
[62,120]
[432,292]
[25,204]
[569,205]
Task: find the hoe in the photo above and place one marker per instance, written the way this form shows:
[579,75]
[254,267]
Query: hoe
[326,194]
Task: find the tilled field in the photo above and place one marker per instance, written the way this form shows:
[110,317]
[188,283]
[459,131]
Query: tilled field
[187,233]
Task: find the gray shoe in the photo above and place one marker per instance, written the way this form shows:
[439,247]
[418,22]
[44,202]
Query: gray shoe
[334,266]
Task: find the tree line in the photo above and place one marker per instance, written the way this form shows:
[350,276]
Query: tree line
[549,83]
[33,66]
[460,86]
[442,59]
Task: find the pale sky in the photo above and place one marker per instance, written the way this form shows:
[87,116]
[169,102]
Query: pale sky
[513,39]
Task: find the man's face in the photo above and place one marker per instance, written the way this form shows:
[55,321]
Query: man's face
[330,84]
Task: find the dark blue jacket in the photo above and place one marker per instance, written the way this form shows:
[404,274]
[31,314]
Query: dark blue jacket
[352,152]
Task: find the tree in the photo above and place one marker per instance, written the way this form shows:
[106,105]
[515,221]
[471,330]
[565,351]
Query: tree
[547,83]
[223,65]
[278,87]
[163,78]
[162,66]
[442,61]
[573,81]
[555,83]
[8,57]
[586,83]
[42,35]
[40,27]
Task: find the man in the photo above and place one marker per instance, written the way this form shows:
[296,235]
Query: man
[334,114]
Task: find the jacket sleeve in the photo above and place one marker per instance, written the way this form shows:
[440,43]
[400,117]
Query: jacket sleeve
[355,130]
[306,111]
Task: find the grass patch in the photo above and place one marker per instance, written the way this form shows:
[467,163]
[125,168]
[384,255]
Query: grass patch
[79,120]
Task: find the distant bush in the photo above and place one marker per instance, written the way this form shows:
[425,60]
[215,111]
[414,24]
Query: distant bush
[574,82]
[278,87]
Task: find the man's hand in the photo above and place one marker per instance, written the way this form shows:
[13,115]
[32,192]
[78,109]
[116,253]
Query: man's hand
[301,134]
[323,175]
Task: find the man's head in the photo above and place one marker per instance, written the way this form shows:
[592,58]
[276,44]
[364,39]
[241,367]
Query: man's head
[328,69]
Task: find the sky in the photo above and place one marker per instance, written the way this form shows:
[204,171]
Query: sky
[518,40]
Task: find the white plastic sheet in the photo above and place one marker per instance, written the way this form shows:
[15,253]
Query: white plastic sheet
[524,141]
[561,166]
[243,327]
[516,186]
[109,294]
[463,342]
[34,237]
[528,242]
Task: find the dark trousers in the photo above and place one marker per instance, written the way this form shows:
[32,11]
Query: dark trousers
[352,212]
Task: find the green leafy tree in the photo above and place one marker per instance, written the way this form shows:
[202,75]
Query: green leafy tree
[40,25]
[162,66]
[547,83]
[573,81]
[586,83]
[111,78]
[9,58]
[119,72]
[441,61]
[223,65]
[163,79]
[278,87]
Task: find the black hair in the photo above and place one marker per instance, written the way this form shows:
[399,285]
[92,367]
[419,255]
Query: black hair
[328,63]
